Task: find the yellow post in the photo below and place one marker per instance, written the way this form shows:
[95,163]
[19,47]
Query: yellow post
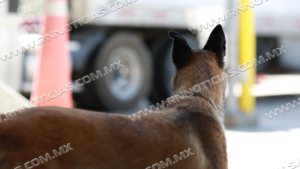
[247,52]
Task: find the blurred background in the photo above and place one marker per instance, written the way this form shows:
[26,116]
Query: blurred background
[137,34]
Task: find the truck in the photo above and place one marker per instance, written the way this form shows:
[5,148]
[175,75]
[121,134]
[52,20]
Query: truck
[136,32]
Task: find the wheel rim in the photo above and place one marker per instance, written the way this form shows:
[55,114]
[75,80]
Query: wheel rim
[126,82]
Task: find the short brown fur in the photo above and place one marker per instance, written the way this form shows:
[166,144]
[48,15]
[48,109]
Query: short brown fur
[108,141]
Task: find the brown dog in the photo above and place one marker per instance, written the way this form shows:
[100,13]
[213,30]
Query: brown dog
[191,127]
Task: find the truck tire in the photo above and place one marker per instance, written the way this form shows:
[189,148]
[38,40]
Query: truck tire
[164,68]
[123,88]
[264,45]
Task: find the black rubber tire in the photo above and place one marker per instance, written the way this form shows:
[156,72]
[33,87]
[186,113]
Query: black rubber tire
[264,45]
[105,98]
[162,50]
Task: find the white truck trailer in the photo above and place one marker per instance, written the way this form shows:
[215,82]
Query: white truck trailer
[136,33]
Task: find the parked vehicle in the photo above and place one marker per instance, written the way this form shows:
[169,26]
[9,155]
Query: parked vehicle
[136,33]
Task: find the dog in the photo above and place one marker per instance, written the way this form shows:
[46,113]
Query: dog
[192,127]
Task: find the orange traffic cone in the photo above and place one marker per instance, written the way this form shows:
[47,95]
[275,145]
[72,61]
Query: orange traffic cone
[51,82]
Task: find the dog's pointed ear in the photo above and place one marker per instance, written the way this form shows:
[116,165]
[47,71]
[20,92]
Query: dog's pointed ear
[217,44]
[182,52]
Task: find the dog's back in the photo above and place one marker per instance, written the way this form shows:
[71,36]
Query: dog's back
[190,129]
[113,141]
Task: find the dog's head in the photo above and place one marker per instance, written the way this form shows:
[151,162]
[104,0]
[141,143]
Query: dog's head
[196,66]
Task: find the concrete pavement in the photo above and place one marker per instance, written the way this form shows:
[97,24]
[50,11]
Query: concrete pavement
[272,144]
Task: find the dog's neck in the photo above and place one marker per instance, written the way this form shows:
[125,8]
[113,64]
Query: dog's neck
[214,94]
[211,102]
[215,99]
[219,109]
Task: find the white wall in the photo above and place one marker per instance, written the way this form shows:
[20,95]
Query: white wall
[10,70]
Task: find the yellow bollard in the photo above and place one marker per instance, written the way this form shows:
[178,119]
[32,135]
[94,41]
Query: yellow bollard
[247,52]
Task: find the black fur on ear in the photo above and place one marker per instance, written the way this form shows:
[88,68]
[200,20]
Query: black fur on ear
[217,44]
[182,52]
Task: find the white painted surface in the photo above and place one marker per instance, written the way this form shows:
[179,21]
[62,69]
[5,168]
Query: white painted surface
[56,8]
[10,70]
[10,99]
[276,85]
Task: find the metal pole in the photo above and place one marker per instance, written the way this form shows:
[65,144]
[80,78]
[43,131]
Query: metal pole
[247,41]
[232,106]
